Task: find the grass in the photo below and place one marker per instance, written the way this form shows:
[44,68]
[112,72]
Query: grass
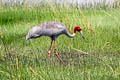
[22,61]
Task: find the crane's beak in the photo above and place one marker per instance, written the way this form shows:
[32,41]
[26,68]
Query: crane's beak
[81,33]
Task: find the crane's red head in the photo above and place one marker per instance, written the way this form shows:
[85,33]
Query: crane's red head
[78,28]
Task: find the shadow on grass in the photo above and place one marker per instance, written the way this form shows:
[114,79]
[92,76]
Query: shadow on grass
[70,59]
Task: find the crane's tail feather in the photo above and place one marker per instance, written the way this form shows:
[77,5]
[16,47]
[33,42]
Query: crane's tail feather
[28,38]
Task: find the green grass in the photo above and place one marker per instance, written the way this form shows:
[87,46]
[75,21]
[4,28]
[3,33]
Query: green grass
[22,61]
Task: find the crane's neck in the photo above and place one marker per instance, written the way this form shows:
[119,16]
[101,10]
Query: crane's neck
[74,33]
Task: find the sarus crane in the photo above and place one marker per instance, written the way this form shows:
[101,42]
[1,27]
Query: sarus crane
[52,29]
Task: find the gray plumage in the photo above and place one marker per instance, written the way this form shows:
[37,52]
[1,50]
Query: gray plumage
[51,29]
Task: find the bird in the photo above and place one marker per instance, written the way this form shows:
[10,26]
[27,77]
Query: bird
[52,29]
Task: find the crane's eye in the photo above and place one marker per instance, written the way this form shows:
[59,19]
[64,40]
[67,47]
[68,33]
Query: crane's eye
[78,29]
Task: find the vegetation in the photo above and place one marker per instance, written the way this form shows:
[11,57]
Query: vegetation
[95,58]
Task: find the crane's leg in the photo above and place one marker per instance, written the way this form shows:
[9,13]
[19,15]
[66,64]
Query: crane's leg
[56,54]
[49,50]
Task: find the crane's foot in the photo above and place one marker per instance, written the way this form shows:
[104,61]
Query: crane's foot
[49,54]
[59,57]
